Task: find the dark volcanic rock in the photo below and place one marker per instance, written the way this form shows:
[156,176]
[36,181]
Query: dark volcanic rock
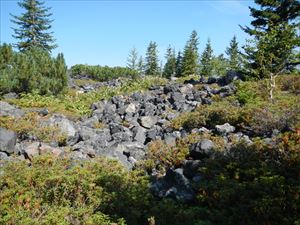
[173,185]
[202,149]
[7,141]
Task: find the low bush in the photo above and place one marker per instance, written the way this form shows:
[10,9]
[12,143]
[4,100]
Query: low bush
[102,73]
[30,125]
[31,71]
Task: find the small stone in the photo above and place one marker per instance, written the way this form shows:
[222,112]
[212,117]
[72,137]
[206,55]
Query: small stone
[225,129]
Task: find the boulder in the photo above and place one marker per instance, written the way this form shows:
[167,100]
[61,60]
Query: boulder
[139,134]
[10,95]
[202,149]
[37,148]
[225,129]
[131,108]
[10,110]
[7,141]
[148,121]
[173,185]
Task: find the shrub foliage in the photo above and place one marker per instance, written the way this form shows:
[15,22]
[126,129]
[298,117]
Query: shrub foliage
[31,71]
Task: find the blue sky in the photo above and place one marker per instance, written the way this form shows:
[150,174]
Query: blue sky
[103,32]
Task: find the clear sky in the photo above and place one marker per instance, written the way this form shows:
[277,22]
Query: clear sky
[103,32]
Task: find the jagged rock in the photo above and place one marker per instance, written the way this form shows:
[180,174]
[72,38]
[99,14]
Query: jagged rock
[10,110]
[125,135]
[3,156]
[7,140]
[132,149]
[177,97]
[131,108]
[229,77]
[190,168]
[148,121]
[139,134]
[225,129]
[115,128]
[174,185]
[148,109]
[202,149]
[188,88]
[10,95]
[37,148]
[43,112]
[85,149]
[63,123]
[170,138]
[212,79]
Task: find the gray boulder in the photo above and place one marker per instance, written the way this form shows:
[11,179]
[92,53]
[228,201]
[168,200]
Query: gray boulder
[202,149]
[148,121]
[139,134]
[7,141]
[10,110]
[225,129]
[173,185]
[33,149]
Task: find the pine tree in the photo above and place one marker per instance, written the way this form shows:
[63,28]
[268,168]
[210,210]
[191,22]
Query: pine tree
[151,65]
[276,19]
[220,65]
[132,59]
[234,56]
[190,55]
[33,26]
[170,66]
[179,64]
[206,60]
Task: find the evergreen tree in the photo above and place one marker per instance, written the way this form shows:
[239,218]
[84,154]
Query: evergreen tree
[220,65]
[140,66]
[151,64]
[275,20]
[234,56]
[170,66]
[206,60]
[33,26]
[190,55]
[179,64]
[132,59]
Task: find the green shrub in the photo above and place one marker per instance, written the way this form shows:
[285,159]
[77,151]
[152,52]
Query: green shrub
[253,185]
[31,71]
[103,73]
[56,191]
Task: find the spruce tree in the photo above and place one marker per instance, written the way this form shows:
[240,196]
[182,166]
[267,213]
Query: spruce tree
[206,60]
[33,26]
[179,64]
[132,59]
[275,20]
[170,66]
[234,56]
[190,55]
[220,65]
[151,64]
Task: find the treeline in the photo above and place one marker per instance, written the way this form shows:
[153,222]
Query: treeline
[271,49]
[102,73]
[188,62]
